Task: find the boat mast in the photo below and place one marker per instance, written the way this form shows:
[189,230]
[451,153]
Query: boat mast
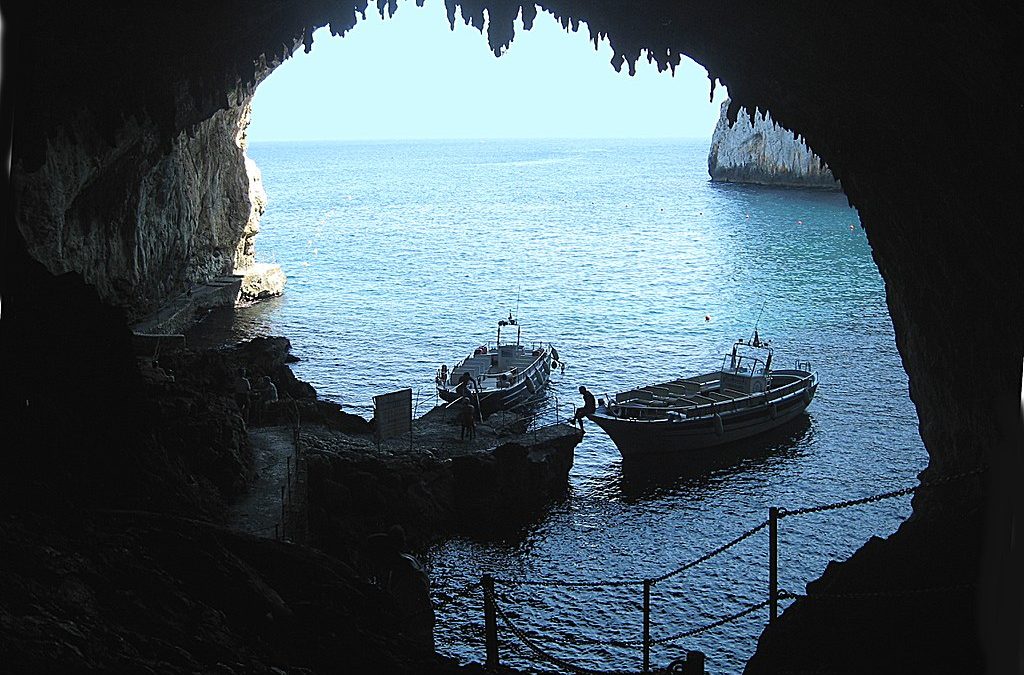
[756,341]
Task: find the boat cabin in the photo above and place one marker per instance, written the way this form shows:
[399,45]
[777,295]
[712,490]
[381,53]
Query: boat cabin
[747,369]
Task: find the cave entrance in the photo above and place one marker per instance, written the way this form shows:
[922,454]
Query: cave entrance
[448,203]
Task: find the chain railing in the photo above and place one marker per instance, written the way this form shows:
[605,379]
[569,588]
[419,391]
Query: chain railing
[493,612]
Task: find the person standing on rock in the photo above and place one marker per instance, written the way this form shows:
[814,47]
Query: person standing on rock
[268,395]
[589,408]
[243,390]
[467,418]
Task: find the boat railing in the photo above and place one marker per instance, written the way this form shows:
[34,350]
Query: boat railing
[540,411]
[520,372]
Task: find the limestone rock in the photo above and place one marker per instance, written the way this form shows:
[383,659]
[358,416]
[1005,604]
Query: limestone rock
[259,281]
[763,153]
[173,220]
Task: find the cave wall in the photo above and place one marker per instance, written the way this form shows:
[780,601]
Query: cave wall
[112,109]
[140,226]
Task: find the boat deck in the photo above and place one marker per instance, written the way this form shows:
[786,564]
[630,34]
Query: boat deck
[700,396]
[487,375]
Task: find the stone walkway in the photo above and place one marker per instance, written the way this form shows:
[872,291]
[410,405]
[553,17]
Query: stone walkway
[260,511]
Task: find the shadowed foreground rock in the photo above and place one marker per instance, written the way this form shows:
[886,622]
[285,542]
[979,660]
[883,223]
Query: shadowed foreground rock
[137,592]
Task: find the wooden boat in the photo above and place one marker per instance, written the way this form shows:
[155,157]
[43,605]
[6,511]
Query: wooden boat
[743,398]
[499,377]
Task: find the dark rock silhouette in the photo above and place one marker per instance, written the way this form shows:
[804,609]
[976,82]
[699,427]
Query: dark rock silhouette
[110,108]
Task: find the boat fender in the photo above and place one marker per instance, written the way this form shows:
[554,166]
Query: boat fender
[773,411]
[719,426]
[807,395]
[554,354]
[530,386]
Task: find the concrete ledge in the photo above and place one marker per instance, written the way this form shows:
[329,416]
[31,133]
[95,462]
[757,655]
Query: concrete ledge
[182,311]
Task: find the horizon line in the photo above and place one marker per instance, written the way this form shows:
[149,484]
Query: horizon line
[480,139]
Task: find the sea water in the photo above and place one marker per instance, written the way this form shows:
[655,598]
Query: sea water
[402,256]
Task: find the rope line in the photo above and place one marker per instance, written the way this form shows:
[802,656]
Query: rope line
[715,624]
[885,495]
[844,504]
[530,642]
[707,556]
[568,584]
[543,655]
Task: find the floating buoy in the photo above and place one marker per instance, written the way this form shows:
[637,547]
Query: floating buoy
[707,317]
[719,426]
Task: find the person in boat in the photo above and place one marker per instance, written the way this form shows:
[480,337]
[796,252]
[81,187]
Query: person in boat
[465,382]
[589,407]
[467,418]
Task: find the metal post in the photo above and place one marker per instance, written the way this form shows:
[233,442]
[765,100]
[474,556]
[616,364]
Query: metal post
[694,663]
[647,625]
[490,622]
[773,563]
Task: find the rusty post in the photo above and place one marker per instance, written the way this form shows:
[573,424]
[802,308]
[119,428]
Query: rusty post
[694,663]
[490,622]
[773,563]
[647,626]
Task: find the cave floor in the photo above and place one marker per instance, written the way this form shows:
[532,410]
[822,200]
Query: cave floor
[259,512]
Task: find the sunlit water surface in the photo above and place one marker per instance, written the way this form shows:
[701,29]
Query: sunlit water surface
[402,256]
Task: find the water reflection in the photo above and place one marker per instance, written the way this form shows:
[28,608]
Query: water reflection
[644,478]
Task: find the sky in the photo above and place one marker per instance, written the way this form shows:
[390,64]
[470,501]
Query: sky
[411,77]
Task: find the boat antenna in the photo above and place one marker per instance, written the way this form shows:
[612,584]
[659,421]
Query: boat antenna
[518,289]
[758,322]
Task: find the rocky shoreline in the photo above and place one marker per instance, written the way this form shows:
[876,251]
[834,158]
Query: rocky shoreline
[117,555]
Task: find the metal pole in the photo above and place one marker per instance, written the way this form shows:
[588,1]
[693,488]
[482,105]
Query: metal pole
[773,563]
[490,622]
[694,663]
[647,626]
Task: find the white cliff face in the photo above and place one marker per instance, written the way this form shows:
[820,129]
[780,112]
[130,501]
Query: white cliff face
[245,255]
[763,153]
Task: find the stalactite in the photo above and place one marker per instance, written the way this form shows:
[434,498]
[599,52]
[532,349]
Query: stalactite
[529,13]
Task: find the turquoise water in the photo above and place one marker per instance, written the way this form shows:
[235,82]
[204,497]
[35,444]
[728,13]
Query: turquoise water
[403,256]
